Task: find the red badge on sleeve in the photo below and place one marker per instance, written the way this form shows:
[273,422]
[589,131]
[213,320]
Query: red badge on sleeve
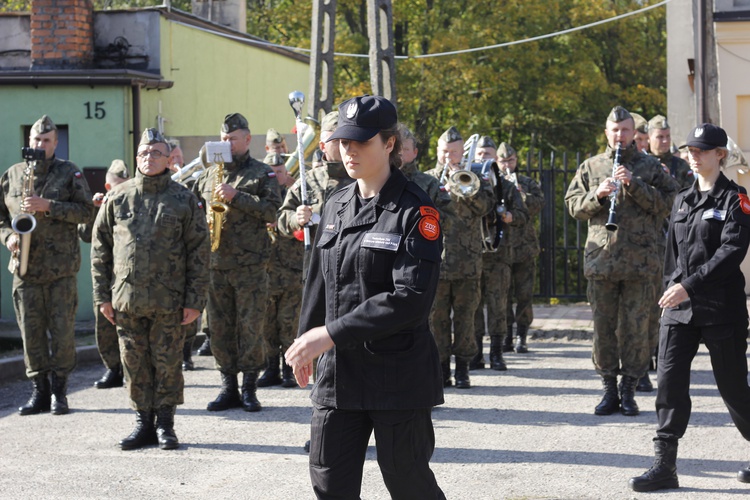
[744,203]
[429,227]
[429,211]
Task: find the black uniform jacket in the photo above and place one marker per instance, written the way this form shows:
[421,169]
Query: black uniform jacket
[372,281]
[708,239]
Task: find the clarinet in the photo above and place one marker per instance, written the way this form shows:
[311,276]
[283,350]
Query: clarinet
[611,224]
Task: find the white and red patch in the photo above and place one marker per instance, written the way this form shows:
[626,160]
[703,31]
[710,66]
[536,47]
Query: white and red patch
[77,175]
[271,174]
[744,203]
[429,227]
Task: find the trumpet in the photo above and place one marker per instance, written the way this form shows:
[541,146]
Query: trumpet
[192,170]
[465,182]
[611,224]
[23,224]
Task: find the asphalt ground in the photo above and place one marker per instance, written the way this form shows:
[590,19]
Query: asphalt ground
[528,433]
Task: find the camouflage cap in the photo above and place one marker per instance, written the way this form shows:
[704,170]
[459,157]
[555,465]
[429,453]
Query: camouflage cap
[330,121]
[618,114]
[272,136]
[234,121]
[486,142]
[451,135]
[658,122]
[273,159]
[641,125]
[43,125]
[153,136]
[119,169]
[506,151]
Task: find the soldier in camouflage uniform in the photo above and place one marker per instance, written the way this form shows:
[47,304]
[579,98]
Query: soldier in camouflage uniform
[149,268]
[641,132]
[275,142]
[461,267]
[106,333]
[524,243]
[284,291]
[239,281]
[620,264]
[509,216]
[322,182]
[429,184]
[45,297]
[660,145]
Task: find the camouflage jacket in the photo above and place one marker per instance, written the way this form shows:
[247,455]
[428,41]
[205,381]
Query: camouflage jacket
[679,169]
[322,182]
[630,252]
[430,185]
[524,238]
[243,236]
[512,201]
[54,251]
[287,255]
[150,248]
[462,231]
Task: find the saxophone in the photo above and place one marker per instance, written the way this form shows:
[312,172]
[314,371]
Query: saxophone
[217,209]
[23,224]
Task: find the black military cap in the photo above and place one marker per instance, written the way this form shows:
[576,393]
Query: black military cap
[273,159]
[43,125]
[486,142]
[153,136]
[707,136]
[360,118]
[619,114]
[234,121]
[505,151]
[451,135]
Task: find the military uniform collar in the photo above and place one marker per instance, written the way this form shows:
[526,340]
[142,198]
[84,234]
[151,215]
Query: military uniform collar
[336,169]
[153,184]
[44,166]
[410,168]
[628,153]
[386,199]
[722,182]
[238,161]
[665,158]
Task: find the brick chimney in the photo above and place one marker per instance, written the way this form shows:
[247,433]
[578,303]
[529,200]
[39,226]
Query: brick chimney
[62,34]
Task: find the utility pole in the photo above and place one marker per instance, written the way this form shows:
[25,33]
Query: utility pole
[320,99]
[382,52]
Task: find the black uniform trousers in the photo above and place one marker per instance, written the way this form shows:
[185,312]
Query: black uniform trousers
[404,440]
[678,344]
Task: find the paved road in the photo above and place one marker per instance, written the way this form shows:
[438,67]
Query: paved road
[528,433]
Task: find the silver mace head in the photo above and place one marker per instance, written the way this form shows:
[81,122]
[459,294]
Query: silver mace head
[296,101]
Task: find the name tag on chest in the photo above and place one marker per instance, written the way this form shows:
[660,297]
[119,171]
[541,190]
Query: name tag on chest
[714,214]
[382,241]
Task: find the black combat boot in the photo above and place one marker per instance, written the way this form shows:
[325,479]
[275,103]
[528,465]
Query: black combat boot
[59,402]
[628,406]
[111,378]
[40,397]
[229,397]
[249,400]
[508,342]
[663,474]
[144,433]
[205,348]
[496,354]
[743,475]
[462,374]
[521,332]
[187,356]
[610,403]
[287,375]
[165,428]
[477,362]
[644,384]
[271,376]
[446,368]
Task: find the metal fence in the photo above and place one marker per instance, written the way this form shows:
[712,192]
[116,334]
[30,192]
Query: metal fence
[562,238]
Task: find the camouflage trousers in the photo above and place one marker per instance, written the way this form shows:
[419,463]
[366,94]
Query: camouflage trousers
[151,352]
[461,297]
[191,331]
[237,301]
[494,291]
[43,307]
[282,318]
[621,310]
[522,276]
[107,341]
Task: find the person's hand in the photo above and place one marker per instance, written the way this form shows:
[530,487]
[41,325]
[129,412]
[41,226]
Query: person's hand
[305,349]
[507,217]
[226,192]
[189,315]
[673,296]
[12,243]
[623,175]
[108,312]
[98,199]
[34,203]
[605,188]
[304,214]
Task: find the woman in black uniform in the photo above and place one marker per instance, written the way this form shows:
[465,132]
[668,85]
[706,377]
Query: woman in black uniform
[704,301]
[371,283]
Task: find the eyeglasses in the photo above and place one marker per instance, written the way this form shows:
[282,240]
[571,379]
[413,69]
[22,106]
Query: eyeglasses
[155,154]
